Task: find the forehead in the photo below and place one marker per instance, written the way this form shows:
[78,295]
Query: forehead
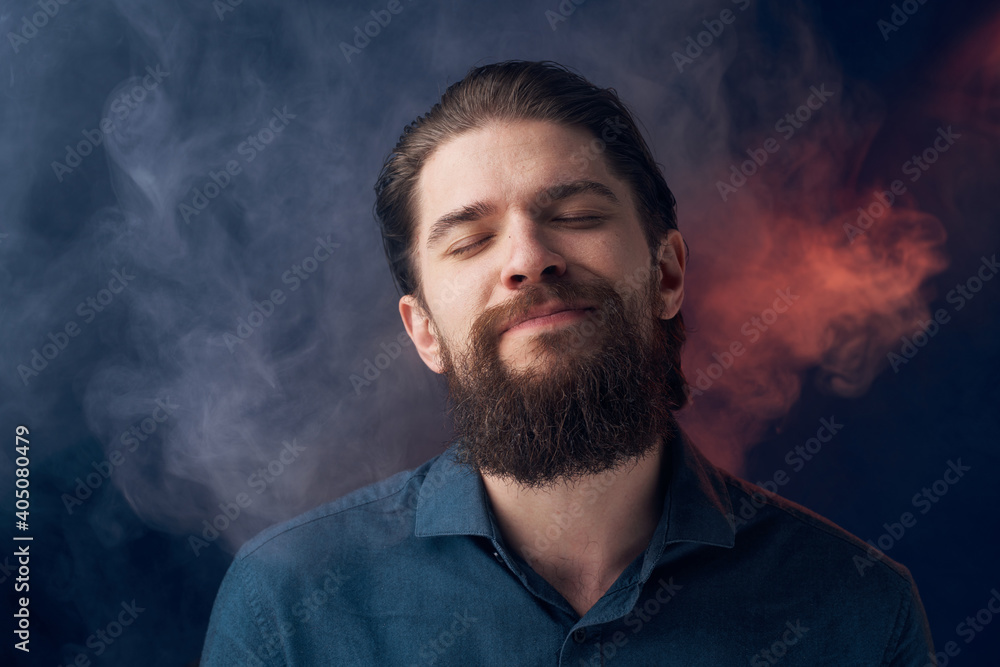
[508,164]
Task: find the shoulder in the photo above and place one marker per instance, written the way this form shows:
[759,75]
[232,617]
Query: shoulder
[372,513]
[291,573]
[759,514]
[842,583]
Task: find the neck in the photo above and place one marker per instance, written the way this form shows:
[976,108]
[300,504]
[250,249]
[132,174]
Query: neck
[580,536]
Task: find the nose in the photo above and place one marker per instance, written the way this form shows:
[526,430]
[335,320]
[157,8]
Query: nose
[531,257]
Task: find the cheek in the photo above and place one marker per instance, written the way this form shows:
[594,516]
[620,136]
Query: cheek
[635,265]
[456,302]
[446,292]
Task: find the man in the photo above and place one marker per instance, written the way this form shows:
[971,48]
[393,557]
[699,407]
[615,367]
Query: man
[571,522]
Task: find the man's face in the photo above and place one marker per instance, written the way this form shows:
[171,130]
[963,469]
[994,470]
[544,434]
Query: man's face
[515,221]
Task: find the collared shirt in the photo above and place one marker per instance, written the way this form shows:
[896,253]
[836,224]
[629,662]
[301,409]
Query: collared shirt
[413,570]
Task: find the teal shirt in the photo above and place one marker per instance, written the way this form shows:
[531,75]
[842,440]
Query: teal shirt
[413,570]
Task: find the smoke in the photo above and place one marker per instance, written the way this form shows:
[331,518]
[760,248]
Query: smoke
[965,85]
[245,363]
[840,215]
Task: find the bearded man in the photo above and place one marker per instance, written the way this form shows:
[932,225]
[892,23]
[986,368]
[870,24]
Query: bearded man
[571,522]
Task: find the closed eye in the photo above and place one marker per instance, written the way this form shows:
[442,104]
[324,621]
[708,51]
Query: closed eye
[466,248]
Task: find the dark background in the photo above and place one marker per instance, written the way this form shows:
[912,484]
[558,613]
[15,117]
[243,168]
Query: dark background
[295,377]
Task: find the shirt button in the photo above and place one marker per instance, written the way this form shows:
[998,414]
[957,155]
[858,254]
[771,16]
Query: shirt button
[579,636]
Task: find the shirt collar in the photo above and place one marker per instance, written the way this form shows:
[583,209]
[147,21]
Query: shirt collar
[452,500]
[696,507]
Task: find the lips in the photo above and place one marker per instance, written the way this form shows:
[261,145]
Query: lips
[542,311]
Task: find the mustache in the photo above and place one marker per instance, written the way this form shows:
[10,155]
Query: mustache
[489,326]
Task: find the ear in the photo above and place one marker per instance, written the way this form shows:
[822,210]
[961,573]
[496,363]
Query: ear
[421,331]
[672,259]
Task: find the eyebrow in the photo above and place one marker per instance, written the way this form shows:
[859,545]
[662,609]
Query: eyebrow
[481,209]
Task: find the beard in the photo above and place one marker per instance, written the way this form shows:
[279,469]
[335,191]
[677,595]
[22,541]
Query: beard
[591,397]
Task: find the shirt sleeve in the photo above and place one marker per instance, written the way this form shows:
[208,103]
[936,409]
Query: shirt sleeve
[913,646]
[235,635]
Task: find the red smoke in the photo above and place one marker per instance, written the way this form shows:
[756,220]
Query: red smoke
[966,87]
[855,256]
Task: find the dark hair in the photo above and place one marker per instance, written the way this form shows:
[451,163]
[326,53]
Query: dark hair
[523,90]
